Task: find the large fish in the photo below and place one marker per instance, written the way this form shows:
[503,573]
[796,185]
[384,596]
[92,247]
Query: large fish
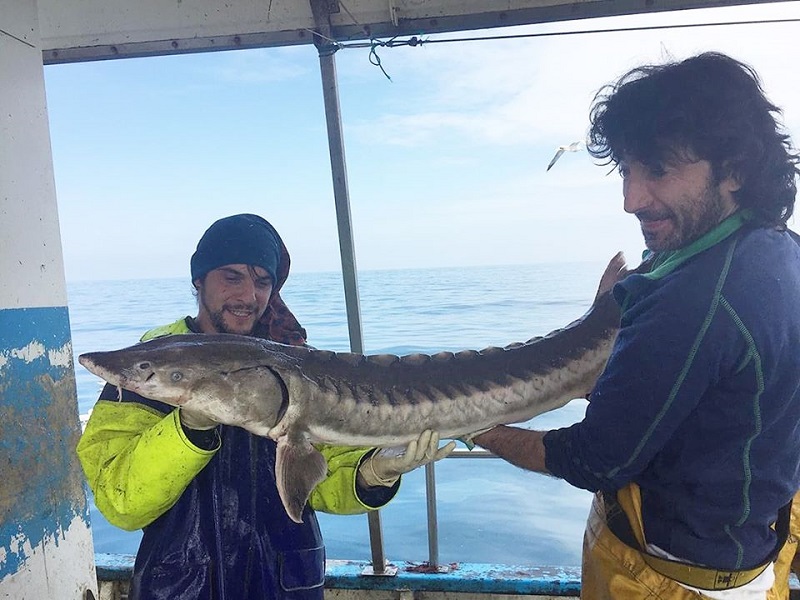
[298,395]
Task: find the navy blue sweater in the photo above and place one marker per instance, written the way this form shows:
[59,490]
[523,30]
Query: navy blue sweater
[700,401]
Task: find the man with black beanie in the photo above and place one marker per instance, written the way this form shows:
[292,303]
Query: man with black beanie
[204,493]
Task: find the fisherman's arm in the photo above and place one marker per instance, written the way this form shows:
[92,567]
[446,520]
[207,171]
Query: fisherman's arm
[658,372]
[137,461]
[363,479]
[340,493]
[523,448]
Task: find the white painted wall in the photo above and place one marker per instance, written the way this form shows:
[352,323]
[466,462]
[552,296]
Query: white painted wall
[30,241]
[56,570]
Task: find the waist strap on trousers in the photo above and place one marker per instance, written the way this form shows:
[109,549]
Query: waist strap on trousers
[705,578]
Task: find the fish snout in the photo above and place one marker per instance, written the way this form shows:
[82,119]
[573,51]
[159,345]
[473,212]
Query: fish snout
[86,361]
[92,362]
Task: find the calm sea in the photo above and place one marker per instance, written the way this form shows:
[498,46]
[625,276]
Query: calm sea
[489,511]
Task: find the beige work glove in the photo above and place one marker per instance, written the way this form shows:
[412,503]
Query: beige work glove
[385,466]
[194,420]
[468,440]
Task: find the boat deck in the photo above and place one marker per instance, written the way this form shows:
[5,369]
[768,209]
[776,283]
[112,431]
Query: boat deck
[351,580]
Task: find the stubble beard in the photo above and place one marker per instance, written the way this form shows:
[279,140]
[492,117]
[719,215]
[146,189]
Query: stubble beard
[217,319]
[696,218]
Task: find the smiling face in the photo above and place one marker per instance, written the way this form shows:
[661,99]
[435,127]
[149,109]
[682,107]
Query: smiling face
[676,203]
[232,299]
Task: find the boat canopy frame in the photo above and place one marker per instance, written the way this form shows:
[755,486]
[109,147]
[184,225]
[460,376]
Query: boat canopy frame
[92,30]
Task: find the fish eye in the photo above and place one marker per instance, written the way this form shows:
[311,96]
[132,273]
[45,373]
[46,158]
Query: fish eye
[144,366]
[176,376]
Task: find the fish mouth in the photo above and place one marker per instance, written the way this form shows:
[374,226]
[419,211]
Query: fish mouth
[136,378]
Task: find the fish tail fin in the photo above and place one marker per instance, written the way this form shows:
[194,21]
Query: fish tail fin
[299,467]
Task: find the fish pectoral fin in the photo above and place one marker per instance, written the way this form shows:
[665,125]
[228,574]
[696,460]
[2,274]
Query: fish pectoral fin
[299,467]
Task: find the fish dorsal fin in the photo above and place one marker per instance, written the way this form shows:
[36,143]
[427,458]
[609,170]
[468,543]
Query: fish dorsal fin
[299,467]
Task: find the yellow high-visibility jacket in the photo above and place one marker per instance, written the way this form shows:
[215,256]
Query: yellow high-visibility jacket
[212,519]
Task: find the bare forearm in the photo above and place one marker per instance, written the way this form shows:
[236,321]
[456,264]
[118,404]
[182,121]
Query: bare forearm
[523,448]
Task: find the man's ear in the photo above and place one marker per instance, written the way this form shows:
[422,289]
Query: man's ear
[731,184]
[730,181]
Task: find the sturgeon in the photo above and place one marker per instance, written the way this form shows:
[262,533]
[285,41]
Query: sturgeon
[299,396]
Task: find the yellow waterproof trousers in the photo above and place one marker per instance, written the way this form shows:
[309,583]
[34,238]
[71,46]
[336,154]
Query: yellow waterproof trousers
[614,571]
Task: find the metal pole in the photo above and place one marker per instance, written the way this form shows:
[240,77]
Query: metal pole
[341,196]
[433,521]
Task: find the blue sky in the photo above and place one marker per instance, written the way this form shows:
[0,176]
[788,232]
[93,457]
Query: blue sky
[446,162]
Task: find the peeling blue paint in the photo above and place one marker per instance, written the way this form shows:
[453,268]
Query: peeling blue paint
[39,428]
[20,326]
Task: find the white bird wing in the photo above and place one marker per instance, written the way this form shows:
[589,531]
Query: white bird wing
[559,152]
[572,147]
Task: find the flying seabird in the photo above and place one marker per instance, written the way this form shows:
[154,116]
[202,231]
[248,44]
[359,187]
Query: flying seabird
[573,147]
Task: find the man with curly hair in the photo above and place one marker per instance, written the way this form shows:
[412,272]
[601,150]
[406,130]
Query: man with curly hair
[691,439]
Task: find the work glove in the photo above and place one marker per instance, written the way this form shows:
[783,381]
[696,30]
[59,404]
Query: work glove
[386,466]
[469,439]
[196,421]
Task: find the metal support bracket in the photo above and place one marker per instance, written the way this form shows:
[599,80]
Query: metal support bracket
[387,571]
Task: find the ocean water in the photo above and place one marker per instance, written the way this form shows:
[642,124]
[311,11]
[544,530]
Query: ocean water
[488,510]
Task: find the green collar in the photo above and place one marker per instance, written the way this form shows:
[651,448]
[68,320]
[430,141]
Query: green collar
[666,262]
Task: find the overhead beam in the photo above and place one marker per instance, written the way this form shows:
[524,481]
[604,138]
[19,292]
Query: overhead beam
[74,31]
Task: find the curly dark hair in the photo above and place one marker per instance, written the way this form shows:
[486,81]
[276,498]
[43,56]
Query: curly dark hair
[708,107]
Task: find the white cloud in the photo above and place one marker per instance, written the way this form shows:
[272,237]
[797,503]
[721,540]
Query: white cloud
[528,90]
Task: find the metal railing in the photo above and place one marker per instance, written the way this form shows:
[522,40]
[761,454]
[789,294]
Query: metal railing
[380,566]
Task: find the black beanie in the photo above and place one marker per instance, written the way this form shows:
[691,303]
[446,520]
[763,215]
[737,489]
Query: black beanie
[240,239]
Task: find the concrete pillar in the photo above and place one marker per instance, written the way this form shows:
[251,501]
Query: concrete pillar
[46,549]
